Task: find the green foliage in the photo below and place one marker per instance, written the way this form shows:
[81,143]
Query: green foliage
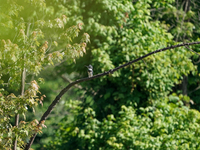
[34,36]
[181,18]
[29,48]
[12,105]
[135,36]
[164,126]
[132,108]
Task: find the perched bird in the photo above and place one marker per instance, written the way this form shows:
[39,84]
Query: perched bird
[90,71]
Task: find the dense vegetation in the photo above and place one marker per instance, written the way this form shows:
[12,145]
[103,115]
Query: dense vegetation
[151,104]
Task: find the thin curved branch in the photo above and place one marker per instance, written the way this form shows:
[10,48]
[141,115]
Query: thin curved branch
[65,78]
[195,53]
[192,50]
[197,88]
[58,97]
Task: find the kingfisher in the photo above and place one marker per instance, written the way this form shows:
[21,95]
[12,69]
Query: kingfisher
[90,71]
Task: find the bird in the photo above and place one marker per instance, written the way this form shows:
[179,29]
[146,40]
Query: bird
[90,71]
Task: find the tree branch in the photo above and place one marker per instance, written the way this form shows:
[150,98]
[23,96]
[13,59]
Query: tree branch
[58,97]
[65,78]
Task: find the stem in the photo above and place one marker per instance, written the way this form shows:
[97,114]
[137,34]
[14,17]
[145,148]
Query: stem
[23,81]
[23,76]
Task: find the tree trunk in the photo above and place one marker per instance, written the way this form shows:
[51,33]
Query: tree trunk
[184,85]
[185,78]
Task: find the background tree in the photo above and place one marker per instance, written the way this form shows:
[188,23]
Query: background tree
[137,107]
[34,36]
[182,20]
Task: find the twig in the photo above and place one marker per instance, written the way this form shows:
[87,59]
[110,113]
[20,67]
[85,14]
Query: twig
[58,97]
[198,87]
[195,53]
[192,50]
[70,81]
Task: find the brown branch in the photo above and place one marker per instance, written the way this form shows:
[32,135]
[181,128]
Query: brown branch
[198,87]
[70,81]
[192,50]
[58,97]
[195,53]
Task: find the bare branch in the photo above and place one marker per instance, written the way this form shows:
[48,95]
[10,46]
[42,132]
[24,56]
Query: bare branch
[195,53]
[194,89]
[58,97]
[192,50]
[70,81]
